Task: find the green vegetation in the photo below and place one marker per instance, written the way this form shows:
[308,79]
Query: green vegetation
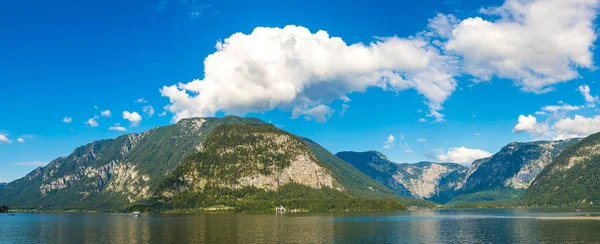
[235,151]
[493,172]
[291,196]
[356,182]
[154,153]
[497,197]
[572,179]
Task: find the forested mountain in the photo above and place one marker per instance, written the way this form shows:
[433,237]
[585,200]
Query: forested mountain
[572,179]
[507,174]
[129,170]
[503,177]
[253,167]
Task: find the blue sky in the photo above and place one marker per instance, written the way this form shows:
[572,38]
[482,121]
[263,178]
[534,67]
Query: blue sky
[495,62]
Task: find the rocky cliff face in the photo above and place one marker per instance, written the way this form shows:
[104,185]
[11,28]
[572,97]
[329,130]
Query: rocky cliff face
[426,180]
[571,179]
[510,171]
[257,156]
[515,166]
[244,157]
[116,172]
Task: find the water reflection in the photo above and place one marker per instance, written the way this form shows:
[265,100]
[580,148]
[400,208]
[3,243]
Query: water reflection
[427,226]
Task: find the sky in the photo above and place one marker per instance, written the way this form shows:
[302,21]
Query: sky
[435,80]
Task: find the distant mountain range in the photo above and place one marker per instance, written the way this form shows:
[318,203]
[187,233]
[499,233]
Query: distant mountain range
[438,182]
[572,179]
[503,177]
[245,164]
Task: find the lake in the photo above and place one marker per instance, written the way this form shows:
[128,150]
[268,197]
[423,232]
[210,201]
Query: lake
[419,226]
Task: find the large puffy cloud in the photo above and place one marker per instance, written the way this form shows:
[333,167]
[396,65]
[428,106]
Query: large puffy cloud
[462,155]
[529,124]
[561,128]
[294,69]
[133,117]
[536,43]
[578,126]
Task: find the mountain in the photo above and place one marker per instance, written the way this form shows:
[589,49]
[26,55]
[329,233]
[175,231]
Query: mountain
[251,167]
[501,178]
[571,179]
[507,174]
[438,182]
[228,153]
[109,173]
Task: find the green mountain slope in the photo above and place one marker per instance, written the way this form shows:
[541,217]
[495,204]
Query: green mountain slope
[504,177]
[425,180]
[256,167]
[242,156]
[110,174]
[572,179]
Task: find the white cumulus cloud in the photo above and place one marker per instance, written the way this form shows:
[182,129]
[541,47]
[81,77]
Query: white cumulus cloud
[20,140]
[141,100]
[578,126]
[536,43]
[133,117]
[529,124]
[4,139]
[106,113]
[91,122]
[389,142]
[117,127]
[462,155]
[292,68]
[67,120]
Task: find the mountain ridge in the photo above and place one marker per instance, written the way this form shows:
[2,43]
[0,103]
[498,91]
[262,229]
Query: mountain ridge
[128,170]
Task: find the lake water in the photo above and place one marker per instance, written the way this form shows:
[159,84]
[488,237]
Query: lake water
[420,226]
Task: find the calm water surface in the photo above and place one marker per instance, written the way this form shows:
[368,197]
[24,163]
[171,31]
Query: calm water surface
[422,226]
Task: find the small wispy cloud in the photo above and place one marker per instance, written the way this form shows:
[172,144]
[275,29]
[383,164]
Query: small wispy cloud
[32,163]
[117,127]
[106,113]
[4,139]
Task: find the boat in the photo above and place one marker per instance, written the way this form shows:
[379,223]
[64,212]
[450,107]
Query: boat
[136,214]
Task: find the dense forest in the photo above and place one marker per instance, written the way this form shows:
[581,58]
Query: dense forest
[572,179]
[208,178]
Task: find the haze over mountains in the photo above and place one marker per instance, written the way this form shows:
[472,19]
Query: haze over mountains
[246,164]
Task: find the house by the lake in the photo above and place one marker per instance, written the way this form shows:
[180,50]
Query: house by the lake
[280,209]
